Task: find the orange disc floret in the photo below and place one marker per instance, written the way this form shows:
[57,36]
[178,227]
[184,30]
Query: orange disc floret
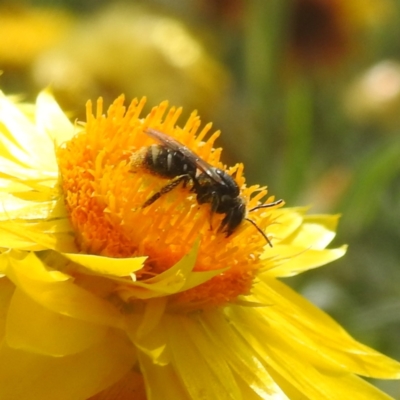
[105,187]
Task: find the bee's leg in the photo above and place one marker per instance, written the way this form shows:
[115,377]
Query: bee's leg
[226,223]
[214,207]
[167,188]
[235,212]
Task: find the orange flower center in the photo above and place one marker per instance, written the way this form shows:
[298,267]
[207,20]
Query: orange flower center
[105,186]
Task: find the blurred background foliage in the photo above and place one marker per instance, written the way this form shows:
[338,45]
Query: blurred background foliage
[306,92]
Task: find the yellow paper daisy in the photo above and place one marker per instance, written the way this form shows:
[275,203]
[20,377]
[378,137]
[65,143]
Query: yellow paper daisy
[102,298]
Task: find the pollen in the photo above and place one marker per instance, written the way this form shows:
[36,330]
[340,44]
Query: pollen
[105,186]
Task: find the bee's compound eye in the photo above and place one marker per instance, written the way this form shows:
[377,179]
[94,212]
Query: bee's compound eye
[229,185]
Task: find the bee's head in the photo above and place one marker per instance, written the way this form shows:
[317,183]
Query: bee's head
[228,185]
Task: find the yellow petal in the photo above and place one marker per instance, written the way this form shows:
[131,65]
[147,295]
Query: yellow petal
[196,278]
[30,376]
[10,170]
[131,386]
[21,141]
[174,280]
[292,260]
[58,293]
[15,206]
[145,333]
[33,328]
[26,236]
[318,337]
[243,360]
[317,231]
[153,312]
[52,120]
[289,220]
[189,347]
[119,267]
[161,380]
[3,261]
[27,265]
[283,358]
[14,241]
[6,292]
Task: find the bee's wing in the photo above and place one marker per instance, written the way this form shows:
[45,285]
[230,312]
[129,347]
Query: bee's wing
[173,144]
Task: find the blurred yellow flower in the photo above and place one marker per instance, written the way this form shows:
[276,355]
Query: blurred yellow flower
[29,32]
[133,48]
[101,298]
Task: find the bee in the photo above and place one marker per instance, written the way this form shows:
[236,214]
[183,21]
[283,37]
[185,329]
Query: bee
[172,160]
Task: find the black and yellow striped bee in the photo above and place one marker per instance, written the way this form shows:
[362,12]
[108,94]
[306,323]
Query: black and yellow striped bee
[172,160]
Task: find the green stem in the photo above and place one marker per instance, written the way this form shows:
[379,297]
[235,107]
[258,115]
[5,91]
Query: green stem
[265,24]
[298,141]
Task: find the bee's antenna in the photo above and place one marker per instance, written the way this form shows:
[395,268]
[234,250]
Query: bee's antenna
[260,230]
[274,203]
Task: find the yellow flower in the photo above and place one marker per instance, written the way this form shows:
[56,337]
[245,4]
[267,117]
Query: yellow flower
[30,31]
[101,298]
